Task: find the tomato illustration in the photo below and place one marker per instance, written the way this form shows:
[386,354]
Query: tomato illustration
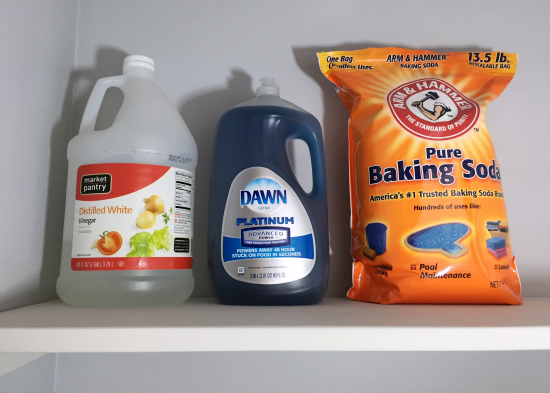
[109,243]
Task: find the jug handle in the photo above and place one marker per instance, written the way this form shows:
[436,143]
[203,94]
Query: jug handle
[317,155]
[94,102]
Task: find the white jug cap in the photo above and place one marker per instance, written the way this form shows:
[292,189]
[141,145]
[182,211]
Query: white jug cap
[138,61]
[268,87]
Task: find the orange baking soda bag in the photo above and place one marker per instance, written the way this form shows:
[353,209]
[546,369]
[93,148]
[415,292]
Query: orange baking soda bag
[428,223]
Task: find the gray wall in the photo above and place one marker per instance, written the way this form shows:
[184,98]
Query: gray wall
[38,376]
[210,55]
[37,49]
[316,372]
[324,372]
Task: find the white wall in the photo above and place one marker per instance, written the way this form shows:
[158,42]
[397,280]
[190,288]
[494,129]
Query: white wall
[210,55]
[37,55]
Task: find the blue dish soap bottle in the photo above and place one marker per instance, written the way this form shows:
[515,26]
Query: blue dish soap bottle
[267,237]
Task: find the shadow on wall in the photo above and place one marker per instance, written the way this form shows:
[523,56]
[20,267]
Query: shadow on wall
[80,85]
[334,123]
[202,112]
[108,62]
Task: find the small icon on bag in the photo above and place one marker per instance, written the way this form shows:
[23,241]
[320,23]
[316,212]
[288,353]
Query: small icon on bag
[121,263]
[413,266]
[240,270]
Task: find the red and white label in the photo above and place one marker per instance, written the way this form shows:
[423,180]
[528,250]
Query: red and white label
[433,109]
[132,217]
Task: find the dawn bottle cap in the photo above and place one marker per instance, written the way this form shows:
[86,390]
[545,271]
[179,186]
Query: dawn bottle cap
[268,87]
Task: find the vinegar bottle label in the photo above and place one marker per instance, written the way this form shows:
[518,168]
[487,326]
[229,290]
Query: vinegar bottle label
[132,217]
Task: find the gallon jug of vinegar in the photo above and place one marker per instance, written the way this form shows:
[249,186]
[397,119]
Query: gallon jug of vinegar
[268,238]
[128,228]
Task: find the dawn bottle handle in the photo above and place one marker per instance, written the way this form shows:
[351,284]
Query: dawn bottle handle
[94,102]
[314,141]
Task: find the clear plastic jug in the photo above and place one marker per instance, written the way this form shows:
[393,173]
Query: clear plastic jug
[128,230]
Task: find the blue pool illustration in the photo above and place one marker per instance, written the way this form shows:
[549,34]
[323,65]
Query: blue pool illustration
[443,238]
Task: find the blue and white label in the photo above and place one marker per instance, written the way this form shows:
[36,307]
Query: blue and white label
[267,237]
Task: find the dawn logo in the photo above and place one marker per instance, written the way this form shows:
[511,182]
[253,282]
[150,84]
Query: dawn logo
[433,109]
[263,195]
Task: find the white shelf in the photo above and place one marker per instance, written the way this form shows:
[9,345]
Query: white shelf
[336,324]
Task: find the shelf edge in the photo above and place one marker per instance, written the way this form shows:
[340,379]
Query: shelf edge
[288,339]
